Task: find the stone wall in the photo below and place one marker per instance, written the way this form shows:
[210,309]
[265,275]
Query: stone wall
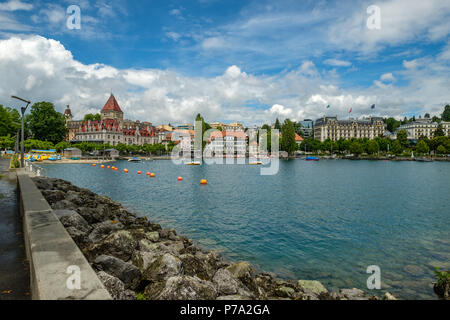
[52,252]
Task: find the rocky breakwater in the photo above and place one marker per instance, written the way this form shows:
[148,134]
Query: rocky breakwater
[135,258]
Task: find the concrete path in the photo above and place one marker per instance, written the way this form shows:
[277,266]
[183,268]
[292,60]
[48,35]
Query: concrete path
[14,269]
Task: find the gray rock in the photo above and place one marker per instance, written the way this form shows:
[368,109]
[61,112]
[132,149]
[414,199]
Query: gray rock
[227,284]
[103,229]
[92,215]
[353,294]
[388,296]
[126,272]
[187,288]
[162,268]
[63,205]
[53,196]
[70,218]
[153,236]
[245,273]
[120,244]
[115,287]
[196,267]
[314,286]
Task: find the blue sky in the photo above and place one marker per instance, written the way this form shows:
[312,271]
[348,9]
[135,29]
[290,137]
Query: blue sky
[250,61]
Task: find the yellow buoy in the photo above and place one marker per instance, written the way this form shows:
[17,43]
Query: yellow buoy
[204,181]
[152,175]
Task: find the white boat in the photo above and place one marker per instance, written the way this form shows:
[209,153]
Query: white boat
[255,163]
[193,163]
[134,159]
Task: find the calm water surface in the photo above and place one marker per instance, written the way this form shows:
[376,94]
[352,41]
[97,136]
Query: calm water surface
[324,220]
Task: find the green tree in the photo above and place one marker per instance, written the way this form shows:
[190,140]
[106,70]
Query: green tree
[46,124]
[392,124]
[61,146]
[9,121]
[373,147]
[205,127]
[397,147]
[33,144]
[439,132]
[7,143]
[298,129]
[288,143]
[356,148]
[446,114]
[92,117]
[441,150]
[277,124]
[402,137]
[422,147]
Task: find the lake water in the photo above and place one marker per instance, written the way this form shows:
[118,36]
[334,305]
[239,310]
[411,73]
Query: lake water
[326,220]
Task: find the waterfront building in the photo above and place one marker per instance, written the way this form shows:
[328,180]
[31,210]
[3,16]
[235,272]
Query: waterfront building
[216,125]
[422,127]
[111,128]
[166,127]
[228,143]
[307,128]
[298,140]
[234,126]
[334,129]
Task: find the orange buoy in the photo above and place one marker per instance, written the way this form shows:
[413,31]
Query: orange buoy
[203,181]
[94,165]
[147,173]
[125,170]
[102,166]
[115,169]
[108,167]
[180,178]
[139,172]
[152,175]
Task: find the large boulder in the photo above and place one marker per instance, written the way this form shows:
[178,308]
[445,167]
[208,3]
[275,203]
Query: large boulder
[195,266]
[313,286]
[162,268]
[115,287]
[53,196]
[227,284]
[245,273]
[120,244]
[92,215]
[126,272]
[103,229]
[353,294]
[63,205]
[70,218]
[187,288]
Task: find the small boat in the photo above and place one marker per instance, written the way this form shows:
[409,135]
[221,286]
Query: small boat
[312,159]
[194,163]
[255,163]
[134,159]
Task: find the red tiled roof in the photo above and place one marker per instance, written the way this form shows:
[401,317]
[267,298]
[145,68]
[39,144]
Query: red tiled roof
[221,134]
[298,138]
[112,105]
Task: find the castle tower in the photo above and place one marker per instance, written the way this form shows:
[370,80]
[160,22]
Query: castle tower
[68,114]
[112,110]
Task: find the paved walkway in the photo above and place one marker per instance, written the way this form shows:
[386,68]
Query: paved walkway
[14,269]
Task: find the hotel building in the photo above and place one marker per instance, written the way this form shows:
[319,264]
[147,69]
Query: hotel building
[334,129]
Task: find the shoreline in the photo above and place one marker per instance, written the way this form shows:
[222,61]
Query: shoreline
[138,259]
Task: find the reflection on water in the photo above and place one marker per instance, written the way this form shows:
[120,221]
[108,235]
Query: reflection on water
[324,220]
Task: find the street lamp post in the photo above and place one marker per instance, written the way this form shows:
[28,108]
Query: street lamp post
[22,147]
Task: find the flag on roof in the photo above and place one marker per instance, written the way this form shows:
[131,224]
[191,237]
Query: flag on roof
[328,106]
[351,109]
[372,107]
